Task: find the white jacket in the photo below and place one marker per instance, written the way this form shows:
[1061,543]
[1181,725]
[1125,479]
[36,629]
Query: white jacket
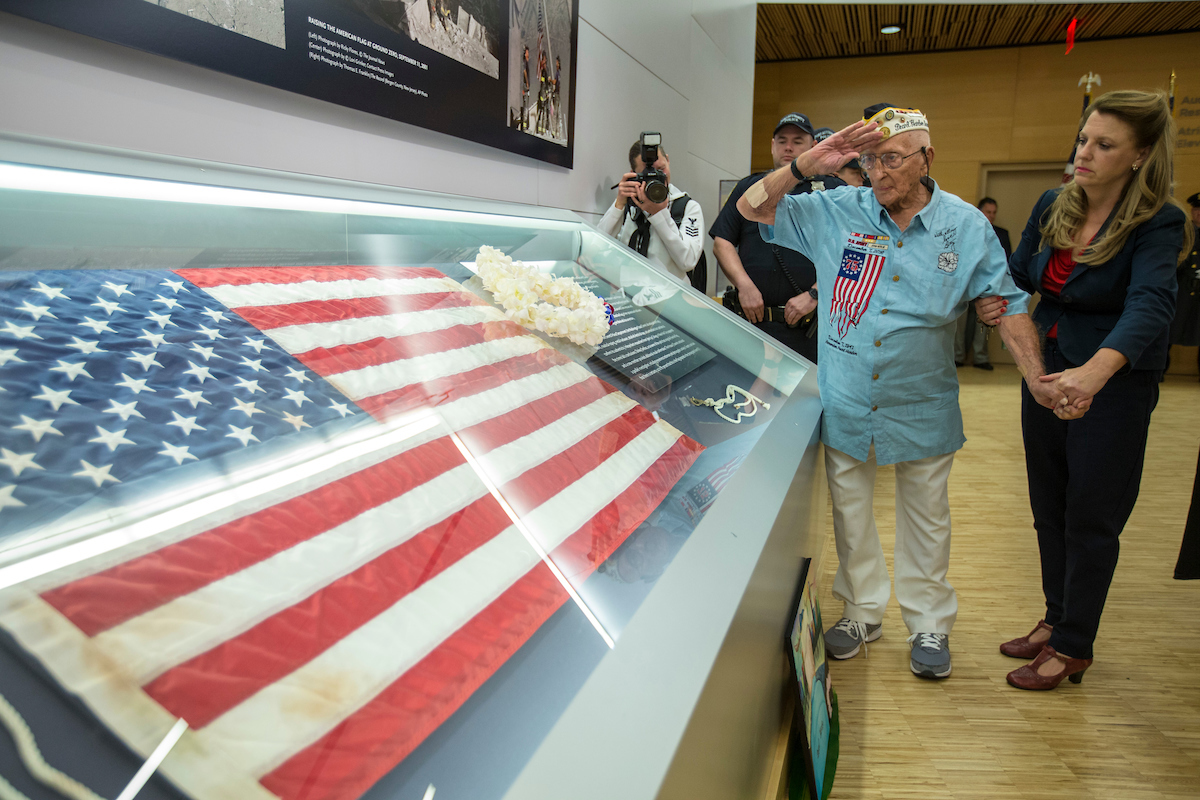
[675,249]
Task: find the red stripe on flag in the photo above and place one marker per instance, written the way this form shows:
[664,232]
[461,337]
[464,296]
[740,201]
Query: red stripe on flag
[208,685]
[106,599]
[363,748]
[382,350]
[435,392]
[246,276]
[498,431]
[311,312]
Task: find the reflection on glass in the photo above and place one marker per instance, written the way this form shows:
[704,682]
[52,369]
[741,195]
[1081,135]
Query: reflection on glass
[156,758]
[281,469]
[533,541]
[38,179]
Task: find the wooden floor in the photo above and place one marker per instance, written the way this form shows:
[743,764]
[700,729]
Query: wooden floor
[1131,730]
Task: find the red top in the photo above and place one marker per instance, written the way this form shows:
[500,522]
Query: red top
[1057,271]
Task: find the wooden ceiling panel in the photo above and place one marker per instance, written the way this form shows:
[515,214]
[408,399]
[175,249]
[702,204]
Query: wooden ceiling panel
[799,31]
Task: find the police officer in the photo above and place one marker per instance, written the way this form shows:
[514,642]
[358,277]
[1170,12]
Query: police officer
[1185,329]
[775,286]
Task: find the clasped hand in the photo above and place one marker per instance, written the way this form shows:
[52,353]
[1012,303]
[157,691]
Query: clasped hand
[1075,389]
[1068,393]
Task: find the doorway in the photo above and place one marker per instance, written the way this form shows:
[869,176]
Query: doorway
[1016,189]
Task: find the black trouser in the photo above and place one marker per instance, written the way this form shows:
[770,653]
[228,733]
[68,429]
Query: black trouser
[792,337]
[1187,568]
[1084,477]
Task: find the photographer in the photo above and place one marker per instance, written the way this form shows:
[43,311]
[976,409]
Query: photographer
[668,232]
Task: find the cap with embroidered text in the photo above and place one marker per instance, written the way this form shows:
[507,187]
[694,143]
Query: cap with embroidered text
[894,119]
[799,120]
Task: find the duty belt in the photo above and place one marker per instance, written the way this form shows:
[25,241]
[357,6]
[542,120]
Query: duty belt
[770,314]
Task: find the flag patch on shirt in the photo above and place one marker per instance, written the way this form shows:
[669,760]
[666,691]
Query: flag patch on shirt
[856,279]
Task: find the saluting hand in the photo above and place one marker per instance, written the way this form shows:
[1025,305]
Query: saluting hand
[830,155]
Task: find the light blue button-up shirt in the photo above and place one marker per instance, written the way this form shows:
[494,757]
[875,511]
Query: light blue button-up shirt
[888,304]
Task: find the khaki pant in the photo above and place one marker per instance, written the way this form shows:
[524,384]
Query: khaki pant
[928,603]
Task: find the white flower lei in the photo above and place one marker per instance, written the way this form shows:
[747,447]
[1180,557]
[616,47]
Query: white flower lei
[557,306]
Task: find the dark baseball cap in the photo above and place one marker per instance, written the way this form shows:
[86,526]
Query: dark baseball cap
[821,134]
[1194,200]
[799,120]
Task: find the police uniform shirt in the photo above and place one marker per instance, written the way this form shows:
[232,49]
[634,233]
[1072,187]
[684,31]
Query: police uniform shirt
[1185,327]
[888,304]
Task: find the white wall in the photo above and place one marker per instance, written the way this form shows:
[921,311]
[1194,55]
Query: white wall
[685,67]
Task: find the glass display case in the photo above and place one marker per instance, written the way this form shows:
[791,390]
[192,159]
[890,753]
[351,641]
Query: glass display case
[291,506]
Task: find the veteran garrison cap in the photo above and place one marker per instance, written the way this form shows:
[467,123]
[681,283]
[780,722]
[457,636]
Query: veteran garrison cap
[894,119]
[1194,200]
[799,120]
[871,111]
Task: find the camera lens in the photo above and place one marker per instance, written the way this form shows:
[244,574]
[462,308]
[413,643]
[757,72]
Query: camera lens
[656,192]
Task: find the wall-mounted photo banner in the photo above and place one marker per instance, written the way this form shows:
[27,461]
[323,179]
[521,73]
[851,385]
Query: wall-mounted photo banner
[498,72]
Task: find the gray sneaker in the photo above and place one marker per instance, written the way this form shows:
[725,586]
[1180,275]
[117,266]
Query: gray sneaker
[930,655]
[845,638]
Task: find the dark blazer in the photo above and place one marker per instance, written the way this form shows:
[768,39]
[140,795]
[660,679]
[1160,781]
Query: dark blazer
[1002,235]
[1125,304]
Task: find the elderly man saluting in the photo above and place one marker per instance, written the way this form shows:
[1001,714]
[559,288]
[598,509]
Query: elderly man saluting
[896,264]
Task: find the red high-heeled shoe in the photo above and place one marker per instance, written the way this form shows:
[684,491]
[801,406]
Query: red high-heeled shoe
[1023,648]
[1027,677]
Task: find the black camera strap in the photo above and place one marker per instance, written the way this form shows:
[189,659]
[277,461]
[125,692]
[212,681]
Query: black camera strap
[639,241]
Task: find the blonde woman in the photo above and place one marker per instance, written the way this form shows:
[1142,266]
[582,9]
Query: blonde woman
[1102,253]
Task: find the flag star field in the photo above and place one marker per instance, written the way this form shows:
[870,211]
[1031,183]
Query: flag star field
[111,376]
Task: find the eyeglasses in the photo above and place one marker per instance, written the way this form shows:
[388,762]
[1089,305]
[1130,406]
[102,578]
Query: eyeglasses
[889,160]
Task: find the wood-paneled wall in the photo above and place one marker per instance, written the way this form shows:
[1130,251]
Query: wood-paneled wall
[993,106]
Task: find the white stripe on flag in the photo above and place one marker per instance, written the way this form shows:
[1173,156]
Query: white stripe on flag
[278,294]
[302,338]
[367,382]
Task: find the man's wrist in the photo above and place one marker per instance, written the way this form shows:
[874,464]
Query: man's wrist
[744,284]
[801,171]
